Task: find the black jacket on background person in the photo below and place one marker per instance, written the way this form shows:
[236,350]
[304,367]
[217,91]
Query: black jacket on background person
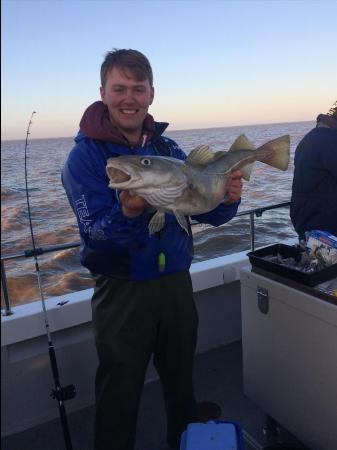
[314,190]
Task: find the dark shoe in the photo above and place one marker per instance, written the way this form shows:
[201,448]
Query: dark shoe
[208,411]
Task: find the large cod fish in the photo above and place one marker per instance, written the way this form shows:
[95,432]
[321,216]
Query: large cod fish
[194,186]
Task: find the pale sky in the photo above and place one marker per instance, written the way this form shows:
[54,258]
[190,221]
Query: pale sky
[215,63]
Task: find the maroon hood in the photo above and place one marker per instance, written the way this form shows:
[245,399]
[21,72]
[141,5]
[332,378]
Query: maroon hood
[96,124]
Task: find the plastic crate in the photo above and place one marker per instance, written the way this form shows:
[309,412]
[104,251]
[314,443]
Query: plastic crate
[257,259]
[213,435]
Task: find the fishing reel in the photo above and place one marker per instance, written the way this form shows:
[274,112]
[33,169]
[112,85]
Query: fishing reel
[64,393]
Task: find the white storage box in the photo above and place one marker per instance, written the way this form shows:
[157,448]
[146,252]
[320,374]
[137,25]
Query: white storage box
[289,342]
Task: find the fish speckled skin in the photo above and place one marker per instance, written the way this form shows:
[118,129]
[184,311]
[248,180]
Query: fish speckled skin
[194,186]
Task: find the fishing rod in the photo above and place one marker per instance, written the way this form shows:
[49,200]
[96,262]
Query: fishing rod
[60,393]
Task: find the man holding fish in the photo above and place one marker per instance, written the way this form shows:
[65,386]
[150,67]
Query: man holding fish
[132,191]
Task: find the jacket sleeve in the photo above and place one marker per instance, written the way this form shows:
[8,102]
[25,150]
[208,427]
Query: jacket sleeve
[96,206]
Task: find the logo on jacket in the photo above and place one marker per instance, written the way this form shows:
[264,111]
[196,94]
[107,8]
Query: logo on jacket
[83,213]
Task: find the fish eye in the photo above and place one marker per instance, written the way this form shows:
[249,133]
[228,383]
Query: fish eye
[146,161]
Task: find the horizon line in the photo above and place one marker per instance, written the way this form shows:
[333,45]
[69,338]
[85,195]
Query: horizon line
[172,131]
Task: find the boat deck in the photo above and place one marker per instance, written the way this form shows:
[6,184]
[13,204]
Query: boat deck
[218,377]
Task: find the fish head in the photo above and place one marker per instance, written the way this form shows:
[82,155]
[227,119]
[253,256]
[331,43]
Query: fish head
[132,172]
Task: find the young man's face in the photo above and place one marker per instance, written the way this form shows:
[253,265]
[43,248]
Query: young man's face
[128,101]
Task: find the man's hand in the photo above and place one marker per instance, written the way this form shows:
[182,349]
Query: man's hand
[234,187]
[132,205]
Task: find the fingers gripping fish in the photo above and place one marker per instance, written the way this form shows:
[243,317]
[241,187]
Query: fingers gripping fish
[194,186]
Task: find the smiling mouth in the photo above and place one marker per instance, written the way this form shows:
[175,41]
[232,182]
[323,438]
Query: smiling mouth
[129,112]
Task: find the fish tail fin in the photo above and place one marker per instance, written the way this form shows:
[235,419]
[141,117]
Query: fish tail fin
[276,153]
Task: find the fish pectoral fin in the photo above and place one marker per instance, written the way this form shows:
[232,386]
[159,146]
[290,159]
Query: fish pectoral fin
[241,143]
[157,222]
[200,155]
[246,171]
[181,219]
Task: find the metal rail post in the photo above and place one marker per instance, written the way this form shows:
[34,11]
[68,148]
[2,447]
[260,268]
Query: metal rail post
[252,231]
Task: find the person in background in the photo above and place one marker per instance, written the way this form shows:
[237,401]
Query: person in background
[314,190]
[140,306]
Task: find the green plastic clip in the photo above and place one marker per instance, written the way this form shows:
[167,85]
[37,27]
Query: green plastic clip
[161,262]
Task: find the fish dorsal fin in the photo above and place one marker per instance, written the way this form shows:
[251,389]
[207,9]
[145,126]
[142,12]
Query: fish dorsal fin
[241,143]
[200,155]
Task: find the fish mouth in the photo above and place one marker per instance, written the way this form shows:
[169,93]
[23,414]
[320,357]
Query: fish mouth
[120,179]
[118,176]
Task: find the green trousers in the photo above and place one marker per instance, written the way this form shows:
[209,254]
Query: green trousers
[132,321]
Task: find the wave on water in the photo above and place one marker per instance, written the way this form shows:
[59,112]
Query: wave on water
[7,193]
[54,222]
[12,218]
[25,286]
[234,236]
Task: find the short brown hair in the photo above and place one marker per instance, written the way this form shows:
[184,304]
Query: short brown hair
[130,60]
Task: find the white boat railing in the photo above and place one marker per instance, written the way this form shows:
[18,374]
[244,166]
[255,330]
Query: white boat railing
[29,253]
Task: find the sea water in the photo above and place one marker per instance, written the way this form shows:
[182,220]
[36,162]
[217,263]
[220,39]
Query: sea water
[54,222]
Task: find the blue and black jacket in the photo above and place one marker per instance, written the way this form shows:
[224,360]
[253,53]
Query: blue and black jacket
[314,189]
[111,244]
